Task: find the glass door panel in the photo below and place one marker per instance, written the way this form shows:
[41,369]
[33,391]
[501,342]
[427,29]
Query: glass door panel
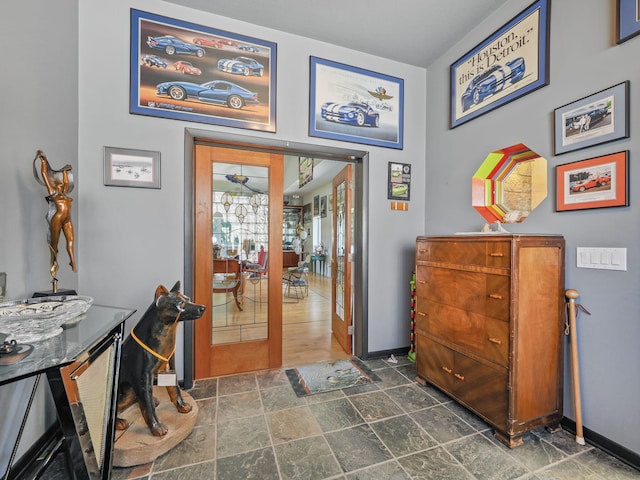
[237,261]
[239,243]
[340,250]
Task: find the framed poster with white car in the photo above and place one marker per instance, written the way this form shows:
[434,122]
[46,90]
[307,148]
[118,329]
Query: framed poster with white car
[512,62]
[355,105]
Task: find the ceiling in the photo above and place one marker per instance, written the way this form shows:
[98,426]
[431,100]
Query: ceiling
[416,33]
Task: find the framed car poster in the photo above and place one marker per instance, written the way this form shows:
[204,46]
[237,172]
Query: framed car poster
[399,181]
[512,62]
[183,71]
[355,105]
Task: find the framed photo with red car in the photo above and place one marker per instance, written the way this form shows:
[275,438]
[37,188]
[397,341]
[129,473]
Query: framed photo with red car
[593,183]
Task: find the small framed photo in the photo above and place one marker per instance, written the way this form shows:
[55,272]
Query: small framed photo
[305,170]
[126,167]
[628,20]
[512,62]
[593,183]
[316,205]
[323,206]
[307,214]
[399,185]
[599,118]
[355,105]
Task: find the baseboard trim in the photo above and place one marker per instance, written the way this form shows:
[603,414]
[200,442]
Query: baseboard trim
[612,448]
[385,353]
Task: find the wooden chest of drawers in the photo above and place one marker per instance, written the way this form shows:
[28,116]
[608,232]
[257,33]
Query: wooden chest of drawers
[489,326]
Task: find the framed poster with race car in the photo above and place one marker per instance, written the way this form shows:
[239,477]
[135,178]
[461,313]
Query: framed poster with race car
[512,62]
[184,71]
[355,105]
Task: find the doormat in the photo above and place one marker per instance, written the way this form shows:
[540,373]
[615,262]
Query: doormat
[325,377]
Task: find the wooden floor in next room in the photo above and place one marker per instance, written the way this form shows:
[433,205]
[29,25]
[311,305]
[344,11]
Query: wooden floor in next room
[306,326]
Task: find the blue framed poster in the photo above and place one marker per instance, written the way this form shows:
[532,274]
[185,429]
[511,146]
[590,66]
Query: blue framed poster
[512,62]
[355,105]
[628,19]
[184,71]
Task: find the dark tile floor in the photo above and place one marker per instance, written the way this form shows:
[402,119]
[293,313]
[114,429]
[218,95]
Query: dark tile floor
[252,426]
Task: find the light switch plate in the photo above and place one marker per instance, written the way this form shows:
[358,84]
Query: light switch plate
[601,258]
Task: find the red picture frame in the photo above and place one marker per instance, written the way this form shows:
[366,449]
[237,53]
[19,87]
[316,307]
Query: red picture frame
[597,182]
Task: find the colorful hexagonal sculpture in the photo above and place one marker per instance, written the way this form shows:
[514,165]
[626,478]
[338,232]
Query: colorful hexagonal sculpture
[509,184]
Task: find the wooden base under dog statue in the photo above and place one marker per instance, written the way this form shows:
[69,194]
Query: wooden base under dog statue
[136,445]
[160,417]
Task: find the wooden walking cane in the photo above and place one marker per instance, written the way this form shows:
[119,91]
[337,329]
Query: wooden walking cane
[575,369]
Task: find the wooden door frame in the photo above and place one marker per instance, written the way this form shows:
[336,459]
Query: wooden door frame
[360,160]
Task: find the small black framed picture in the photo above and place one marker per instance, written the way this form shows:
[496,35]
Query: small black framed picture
[399,185]
[323,206]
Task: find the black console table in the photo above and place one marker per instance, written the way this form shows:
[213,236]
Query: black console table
[82,366]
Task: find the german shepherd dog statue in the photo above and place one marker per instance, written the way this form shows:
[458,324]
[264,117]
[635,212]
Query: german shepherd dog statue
[148,350]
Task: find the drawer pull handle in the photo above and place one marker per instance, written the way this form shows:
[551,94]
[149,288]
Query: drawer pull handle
[448,370]
[422,314]
[458,376]
[496,254]
[423,250]
[422,282]
[495,340]
[495,296]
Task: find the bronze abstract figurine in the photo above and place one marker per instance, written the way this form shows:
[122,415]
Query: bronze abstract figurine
[59,184]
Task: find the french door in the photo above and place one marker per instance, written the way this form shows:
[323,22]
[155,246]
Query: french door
[341,258]
[238,216]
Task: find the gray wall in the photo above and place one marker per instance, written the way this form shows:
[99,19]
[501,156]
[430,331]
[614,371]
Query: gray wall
[133,238]
[38,110]
[584,59]
[75,102]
